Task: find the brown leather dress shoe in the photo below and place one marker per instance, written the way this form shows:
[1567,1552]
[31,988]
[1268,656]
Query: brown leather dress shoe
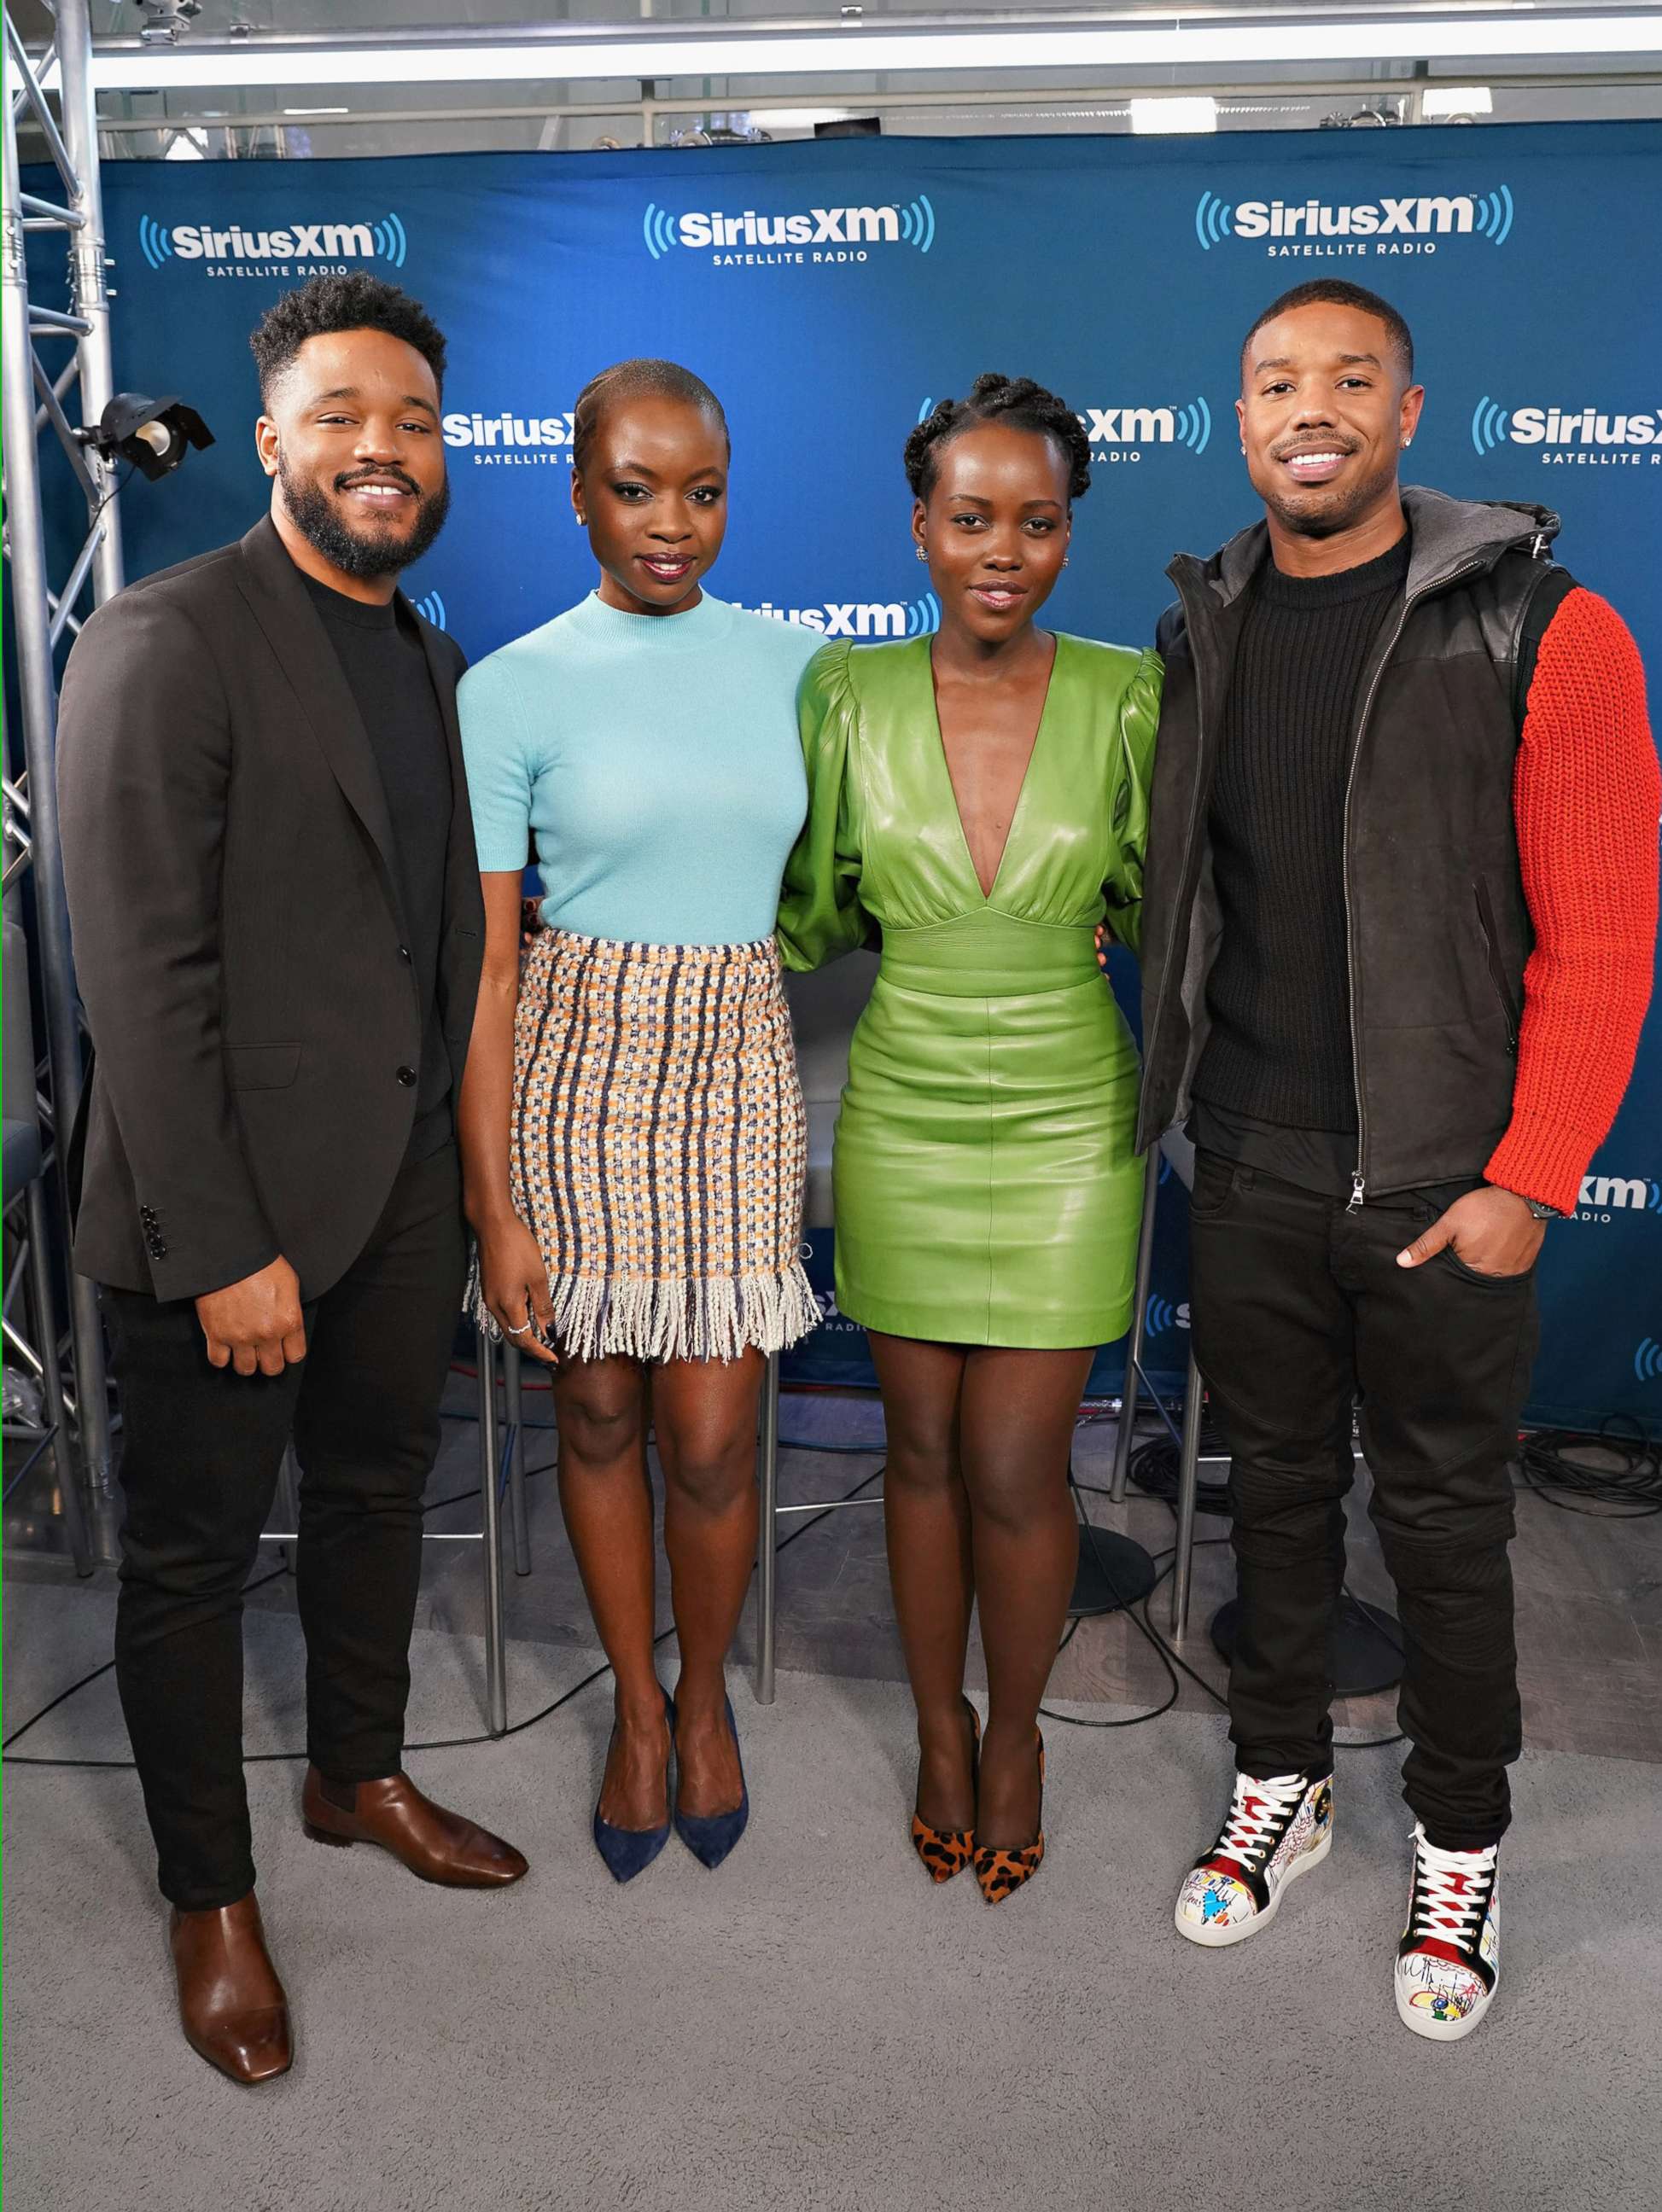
[231,2003]
[437,1845]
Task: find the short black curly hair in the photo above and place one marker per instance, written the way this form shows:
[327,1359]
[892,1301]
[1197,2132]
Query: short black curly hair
[327,304]
[1016,400]
[1339,292]
[631,379]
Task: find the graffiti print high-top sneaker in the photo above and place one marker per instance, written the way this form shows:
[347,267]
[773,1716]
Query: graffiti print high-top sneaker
[1275,1832]
[1448,1963]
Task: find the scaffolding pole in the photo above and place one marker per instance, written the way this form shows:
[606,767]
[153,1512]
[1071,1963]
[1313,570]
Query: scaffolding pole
[41,615]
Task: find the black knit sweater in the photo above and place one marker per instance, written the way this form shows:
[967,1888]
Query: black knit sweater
[1279,994]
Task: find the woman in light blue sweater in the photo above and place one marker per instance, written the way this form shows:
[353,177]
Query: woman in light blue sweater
[633,1137]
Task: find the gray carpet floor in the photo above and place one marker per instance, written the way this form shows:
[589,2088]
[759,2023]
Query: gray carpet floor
[813,2027]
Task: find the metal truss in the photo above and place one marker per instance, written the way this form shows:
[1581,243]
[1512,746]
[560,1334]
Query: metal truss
[57,359]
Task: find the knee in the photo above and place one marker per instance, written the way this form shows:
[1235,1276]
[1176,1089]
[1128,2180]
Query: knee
[712,1471]
[920,1465]
[599,1432]
[1008,1500]
[1294,1510]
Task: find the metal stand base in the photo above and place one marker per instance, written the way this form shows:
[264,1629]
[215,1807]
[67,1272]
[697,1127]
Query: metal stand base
[1114,1571]
[1366,1651]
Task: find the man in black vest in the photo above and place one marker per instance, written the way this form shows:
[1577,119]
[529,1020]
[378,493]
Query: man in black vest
[1397,950]
[278,932]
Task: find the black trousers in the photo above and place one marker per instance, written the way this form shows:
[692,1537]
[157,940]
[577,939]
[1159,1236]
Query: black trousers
[201,1447]
[1299,1309]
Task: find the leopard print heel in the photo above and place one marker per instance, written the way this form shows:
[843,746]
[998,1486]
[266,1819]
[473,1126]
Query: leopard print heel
[947,1852]
[999,1871]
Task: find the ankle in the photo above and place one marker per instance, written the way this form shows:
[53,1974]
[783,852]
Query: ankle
[639,1711]
[701,1704]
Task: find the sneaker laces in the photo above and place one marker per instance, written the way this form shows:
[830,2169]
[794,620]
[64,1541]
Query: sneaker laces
[1451,1891]
[1257,1815]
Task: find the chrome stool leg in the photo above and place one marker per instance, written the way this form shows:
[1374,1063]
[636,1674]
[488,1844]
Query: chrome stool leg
[767,1554]
[1187,1487]
[512,1406]
[496,1655]
[1128,1389]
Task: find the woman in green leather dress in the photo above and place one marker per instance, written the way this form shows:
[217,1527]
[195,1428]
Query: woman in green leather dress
[978,805]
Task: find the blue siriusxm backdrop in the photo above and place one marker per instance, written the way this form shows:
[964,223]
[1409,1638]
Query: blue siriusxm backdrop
[830,291]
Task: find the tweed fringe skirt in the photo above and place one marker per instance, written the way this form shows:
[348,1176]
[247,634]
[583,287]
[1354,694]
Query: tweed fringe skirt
[660,1146]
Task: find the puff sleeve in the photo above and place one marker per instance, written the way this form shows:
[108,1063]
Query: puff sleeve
[1131,770]
[820,915]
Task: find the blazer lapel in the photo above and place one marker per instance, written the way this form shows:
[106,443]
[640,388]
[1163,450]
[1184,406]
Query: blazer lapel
[272,586]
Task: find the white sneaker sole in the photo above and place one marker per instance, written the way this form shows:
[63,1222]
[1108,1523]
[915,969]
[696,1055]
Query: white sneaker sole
[1217,1936]
[1440,2031]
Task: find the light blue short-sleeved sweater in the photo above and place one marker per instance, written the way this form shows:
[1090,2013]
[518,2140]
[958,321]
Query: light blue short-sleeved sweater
[656,761]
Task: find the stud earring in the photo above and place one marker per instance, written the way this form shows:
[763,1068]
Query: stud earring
[922,552]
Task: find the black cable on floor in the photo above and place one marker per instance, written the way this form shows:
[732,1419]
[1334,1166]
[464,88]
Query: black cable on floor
[1170,1658]
[1631,1491]
[440,1743]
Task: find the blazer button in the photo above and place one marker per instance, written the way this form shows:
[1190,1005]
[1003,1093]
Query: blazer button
[404,951]
[406,1076]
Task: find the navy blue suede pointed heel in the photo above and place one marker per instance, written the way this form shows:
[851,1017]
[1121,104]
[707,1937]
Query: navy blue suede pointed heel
[629,1852]
[710,1840]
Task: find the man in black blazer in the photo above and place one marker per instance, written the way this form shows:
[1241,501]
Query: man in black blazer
[278,932]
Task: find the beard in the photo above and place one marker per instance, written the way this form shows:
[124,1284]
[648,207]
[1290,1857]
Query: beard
[362,553]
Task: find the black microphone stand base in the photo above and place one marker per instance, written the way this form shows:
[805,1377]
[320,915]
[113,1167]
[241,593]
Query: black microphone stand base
[1114,1570]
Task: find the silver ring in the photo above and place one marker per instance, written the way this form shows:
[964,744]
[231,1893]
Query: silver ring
[524,1329]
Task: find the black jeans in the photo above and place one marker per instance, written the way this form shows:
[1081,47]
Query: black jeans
[201,1450]
[1299,1309]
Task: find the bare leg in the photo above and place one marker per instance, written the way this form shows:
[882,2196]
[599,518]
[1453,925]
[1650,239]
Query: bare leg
[926,1518]
[606,1498]
[703,1414]
[1016,1425]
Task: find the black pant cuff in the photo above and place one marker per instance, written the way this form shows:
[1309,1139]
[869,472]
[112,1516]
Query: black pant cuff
[214,1897]
[1456,1837]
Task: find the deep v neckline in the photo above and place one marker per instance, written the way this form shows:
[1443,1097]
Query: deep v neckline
[987,896]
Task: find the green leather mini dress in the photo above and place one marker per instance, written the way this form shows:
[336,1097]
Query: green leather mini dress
[985,1187]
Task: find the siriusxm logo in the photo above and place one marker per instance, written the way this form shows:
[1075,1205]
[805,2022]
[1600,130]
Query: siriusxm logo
[1630,1193]
[1647,1361]
[509,440]
[385,241]
[860,617]
[1567,434]
[1162,1315]
[813,235]
[430,608]
[1411,224]
[1116,432]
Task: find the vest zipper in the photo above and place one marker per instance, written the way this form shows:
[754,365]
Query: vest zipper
[1497,974]
[1358,1173]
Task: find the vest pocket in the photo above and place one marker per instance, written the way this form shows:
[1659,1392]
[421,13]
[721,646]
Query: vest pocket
[1497,973]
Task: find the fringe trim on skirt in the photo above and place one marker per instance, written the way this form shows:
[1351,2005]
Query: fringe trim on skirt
[660,1148]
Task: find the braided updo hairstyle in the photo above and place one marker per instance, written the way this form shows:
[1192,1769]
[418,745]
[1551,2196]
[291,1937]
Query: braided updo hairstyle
[1016,400]
[629,380]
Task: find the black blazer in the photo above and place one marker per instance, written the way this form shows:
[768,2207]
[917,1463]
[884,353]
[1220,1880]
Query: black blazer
[238,939]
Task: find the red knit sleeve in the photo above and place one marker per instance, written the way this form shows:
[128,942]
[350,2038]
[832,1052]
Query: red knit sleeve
[1585,799]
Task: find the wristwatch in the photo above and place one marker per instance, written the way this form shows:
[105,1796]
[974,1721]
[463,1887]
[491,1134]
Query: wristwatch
[1542,1212]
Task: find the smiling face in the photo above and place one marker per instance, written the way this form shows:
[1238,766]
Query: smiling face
[1326,411]
[653,495]
[995,526]
[351,433]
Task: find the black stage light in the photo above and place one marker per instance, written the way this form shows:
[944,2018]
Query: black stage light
[154,434]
